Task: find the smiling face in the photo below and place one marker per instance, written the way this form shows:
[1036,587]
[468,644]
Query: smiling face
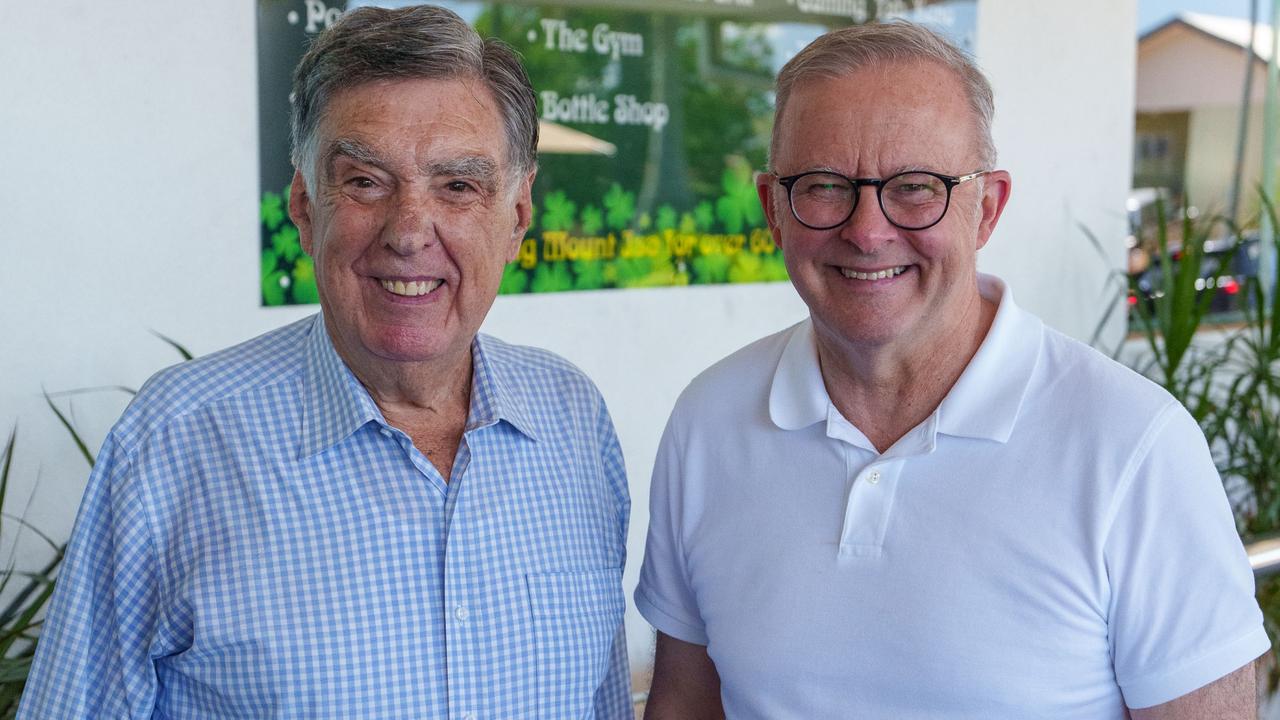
[414,214]
[868,283]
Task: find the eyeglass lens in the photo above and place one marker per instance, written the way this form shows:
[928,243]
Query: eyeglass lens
[910,200]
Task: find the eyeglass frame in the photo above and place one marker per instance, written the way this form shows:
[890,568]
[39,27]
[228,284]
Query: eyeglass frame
[950,181]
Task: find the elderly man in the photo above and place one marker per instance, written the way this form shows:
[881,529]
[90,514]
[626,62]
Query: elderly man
[921,502]
[375,512]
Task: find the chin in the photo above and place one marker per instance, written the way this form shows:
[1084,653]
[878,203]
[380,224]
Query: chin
[869,332]
[412,345]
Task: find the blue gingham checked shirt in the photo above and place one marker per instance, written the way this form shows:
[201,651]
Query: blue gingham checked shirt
[257,542]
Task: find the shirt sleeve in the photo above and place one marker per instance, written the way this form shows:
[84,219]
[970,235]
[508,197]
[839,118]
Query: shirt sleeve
[1182,611]
[92,657]
[664,595]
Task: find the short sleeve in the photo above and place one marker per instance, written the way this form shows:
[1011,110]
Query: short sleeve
[92,659]
[664,595]
[1182,611]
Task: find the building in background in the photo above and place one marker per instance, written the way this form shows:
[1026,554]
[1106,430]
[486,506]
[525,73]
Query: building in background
[1190,88]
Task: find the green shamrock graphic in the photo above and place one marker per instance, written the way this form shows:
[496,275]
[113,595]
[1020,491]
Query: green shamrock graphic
[704,215]
[285,243]
[589,274]
[273,292]
[592,220]
[667,218]
[739,207]
[620,207]
[514,279]
[304,282]
[708,269]
[271,210]
[559,211]
[552,277]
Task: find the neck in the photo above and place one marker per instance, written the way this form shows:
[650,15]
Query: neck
[887,390]
[427,400]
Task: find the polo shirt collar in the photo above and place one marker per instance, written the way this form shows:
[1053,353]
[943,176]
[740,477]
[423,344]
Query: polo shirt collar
[798,397]
[336,404]
[984,402]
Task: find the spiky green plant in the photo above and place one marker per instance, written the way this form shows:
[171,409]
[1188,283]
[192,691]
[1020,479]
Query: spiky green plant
[1171,317]
[23,614]
[1247,425]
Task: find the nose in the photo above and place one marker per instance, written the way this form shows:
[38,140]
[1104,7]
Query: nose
[868,229]
[410,227]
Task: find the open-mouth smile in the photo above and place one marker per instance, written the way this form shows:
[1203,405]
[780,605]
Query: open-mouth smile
[412,288]
[876,275]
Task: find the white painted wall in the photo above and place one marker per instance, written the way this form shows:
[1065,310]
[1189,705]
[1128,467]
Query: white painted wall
[1063,77]
[129,204]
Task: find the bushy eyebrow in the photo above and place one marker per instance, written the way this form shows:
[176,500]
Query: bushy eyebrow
[478,167]
[353,149]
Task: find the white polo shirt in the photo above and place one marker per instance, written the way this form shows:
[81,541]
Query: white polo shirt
[1052,542]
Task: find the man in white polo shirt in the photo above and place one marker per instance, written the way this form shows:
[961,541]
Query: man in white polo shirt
[921,502]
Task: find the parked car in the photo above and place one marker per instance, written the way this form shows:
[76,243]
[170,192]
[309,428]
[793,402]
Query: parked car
[1227,265]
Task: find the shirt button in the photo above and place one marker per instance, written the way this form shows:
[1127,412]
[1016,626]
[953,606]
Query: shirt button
[469,716]
[462,613]
[386,432]
[874,477]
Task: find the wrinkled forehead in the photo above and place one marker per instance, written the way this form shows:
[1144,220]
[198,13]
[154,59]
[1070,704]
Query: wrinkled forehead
[384,96]
[445,125]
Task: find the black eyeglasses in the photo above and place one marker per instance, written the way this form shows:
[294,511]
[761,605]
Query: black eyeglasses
[914,200]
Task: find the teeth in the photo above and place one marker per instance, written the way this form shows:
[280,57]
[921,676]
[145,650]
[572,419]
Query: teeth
[413,288]
[879,275]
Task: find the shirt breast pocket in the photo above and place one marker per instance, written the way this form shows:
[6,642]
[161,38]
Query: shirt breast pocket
[575,618]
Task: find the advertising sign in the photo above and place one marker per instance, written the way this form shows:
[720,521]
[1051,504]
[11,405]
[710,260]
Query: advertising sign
[653,117]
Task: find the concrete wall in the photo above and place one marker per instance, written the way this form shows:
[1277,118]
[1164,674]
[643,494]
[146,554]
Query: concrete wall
[129,204]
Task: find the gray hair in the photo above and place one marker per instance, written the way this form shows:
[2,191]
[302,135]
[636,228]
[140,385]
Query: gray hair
[422,41]
[844,51]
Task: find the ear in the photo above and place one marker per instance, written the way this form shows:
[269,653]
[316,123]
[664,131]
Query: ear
[996,186]
[767,188]
[524,215]
[300,212]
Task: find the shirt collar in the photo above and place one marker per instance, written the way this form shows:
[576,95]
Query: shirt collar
[336,404]
[495,394]
[984,402]
[798,397]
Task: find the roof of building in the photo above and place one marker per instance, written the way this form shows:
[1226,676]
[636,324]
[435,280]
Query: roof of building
[1234,31]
